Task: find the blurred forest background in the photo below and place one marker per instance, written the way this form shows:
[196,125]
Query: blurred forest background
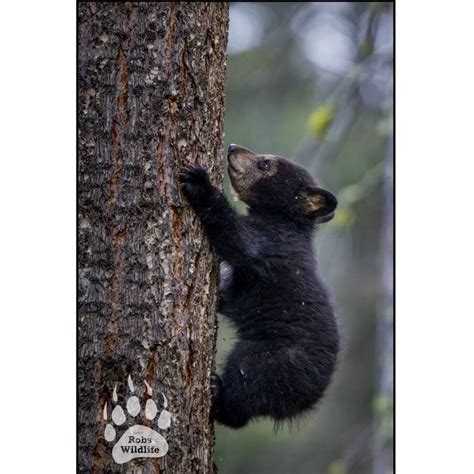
[314,82]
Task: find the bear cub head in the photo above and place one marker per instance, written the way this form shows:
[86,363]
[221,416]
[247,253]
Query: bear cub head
[272,184]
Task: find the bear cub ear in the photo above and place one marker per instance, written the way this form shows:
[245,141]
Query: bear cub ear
[320,204]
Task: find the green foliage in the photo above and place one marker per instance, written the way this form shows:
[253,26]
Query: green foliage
[376,7]
[366,48]
[321,119]
[383,406]
[345,217]
[337,467]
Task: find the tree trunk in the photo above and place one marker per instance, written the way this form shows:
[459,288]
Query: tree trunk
[151,99]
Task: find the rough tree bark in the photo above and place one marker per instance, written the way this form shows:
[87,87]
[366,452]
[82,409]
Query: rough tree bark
[151,99]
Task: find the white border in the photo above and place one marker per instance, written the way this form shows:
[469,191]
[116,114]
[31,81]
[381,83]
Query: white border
[38,206]
[434,237]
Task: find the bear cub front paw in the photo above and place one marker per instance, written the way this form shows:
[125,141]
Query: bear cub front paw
[196,185]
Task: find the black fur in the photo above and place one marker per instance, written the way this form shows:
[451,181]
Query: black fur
[288,339]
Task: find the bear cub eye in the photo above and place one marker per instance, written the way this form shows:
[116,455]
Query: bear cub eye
[263,165]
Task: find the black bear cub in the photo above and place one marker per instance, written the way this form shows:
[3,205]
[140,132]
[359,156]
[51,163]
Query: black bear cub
[288,338]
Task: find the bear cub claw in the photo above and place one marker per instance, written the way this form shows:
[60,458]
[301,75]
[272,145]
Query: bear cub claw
[195,183]
[216,386]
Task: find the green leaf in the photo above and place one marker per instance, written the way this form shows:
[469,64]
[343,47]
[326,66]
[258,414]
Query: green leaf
[344,217]
[320,120]
[337,467]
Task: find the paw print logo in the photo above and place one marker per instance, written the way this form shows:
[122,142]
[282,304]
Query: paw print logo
[138,440]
